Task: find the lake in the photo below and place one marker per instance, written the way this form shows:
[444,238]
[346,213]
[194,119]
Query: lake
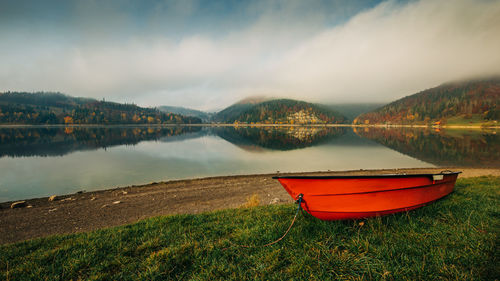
[43,161]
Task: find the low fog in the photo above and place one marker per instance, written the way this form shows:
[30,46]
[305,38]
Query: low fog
[350,52]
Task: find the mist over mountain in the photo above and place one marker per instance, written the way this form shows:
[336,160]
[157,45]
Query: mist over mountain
[209,54]
[233,111]
[353,110]
[204,116]
[474,101]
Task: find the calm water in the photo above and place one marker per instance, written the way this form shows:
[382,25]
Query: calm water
[36,162]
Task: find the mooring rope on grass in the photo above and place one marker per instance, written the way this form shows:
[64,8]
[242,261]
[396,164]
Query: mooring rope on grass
[299,201]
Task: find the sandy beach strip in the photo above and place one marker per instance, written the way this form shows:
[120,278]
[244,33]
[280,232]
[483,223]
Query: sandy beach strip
[89,211]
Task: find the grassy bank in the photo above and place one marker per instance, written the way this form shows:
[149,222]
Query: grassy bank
[454,238]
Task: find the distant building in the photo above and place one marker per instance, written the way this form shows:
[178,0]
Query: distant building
[303,117]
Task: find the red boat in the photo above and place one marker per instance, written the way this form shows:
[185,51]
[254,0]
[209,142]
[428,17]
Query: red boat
[354,197]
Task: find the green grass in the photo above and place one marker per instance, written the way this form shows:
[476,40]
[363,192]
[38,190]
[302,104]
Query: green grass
[473,120]
[456,238]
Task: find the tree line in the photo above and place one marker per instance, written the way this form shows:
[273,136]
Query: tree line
[281,112]
[55,108]
[480,99]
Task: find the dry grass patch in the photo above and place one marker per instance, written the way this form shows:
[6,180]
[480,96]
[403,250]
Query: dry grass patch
[252,201]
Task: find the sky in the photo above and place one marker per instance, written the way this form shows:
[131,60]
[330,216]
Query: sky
[209,54]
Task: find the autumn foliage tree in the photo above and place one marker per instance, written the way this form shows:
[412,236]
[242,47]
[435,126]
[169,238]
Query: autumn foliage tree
[56,108]
[479,98]
[279,111]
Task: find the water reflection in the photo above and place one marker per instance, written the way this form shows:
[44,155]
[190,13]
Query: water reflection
[104,157]
[453,147]
[59,141]
[278,138]
[470,148]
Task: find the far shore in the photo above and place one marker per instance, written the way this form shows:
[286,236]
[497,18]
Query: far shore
[465,126]
[89,211]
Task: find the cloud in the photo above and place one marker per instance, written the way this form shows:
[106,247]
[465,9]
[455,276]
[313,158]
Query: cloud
[395,50]
[362,54]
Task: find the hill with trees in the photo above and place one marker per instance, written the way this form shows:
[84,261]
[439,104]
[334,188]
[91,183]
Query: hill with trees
[465,102]
[55,108]
[280,111]
[232,112]
[353,110]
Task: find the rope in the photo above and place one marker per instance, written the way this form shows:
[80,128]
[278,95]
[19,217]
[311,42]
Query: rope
[299,201]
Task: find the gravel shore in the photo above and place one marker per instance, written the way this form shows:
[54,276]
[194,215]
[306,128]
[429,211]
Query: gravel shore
[94,210]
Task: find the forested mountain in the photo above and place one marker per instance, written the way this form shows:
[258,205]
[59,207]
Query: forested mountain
[232,112]
[57,108]
[281,111]
[204,116]
[473,101]
[353,110]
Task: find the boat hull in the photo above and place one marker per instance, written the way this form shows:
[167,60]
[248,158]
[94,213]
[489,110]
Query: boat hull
[355,197]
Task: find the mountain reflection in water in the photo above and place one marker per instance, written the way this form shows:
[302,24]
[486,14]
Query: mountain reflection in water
[471,148]
[278,138]
[59,141]
[451,147]
[42,161]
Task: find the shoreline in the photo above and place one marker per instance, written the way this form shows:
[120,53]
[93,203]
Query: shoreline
[88,211]
[481,127]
